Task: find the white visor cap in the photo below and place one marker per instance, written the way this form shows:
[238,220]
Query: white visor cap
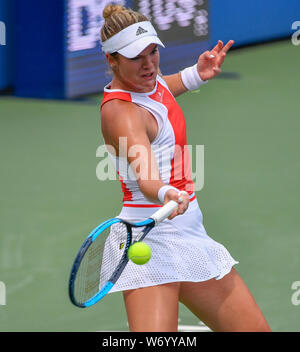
[132,40]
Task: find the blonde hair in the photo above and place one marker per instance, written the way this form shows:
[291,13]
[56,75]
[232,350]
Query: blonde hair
[117,17]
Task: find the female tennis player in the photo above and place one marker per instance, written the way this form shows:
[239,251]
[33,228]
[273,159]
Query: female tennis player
[144,131]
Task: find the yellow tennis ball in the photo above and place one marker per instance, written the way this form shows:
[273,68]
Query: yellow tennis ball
[139,253]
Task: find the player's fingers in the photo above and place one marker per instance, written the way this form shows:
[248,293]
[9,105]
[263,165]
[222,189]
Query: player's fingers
[173,215]
[227,46]
[181,195]
[221,58]
[217,70]
[183,201]
[182,198]
[205,56]
[218,47]
[209,55]
[182,209]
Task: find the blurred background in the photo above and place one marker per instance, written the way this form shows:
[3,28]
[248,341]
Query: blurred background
[52,73]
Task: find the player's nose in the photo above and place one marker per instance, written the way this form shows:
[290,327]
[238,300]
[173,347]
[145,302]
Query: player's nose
[147,61]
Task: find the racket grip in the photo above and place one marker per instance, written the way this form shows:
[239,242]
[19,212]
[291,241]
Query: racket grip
[164,212]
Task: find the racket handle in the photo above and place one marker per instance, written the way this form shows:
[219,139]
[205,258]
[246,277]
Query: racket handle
[164,212]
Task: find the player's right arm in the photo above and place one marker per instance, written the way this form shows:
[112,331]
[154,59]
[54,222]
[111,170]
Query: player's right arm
[125,119]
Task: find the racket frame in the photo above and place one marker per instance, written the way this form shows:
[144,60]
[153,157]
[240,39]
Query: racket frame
[148,224]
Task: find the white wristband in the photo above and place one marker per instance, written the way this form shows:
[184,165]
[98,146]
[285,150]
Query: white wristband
[163,190]
[191,78]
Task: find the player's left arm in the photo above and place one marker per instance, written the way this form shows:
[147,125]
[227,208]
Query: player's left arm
[208,66]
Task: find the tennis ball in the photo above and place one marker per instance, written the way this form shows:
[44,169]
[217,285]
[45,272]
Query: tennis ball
[139,253]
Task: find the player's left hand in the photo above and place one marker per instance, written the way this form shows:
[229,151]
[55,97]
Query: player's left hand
[210,62]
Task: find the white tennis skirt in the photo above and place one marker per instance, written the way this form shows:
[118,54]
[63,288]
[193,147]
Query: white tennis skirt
[181,251]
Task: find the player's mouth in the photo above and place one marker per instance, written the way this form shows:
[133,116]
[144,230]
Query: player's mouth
[148,76]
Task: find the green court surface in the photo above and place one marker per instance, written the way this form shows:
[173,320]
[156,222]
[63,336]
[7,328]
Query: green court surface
[248,121]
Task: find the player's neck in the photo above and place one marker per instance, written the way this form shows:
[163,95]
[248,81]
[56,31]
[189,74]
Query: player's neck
[127,86]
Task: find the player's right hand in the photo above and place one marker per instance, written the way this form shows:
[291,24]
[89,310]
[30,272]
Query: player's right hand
[182,198]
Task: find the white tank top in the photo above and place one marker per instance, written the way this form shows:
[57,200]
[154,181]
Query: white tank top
[169,146]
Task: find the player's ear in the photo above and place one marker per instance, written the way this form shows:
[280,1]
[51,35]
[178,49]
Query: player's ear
[111,60]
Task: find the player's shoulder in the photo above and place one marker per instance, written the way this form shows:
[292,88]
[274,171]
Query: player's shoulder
[115,105]
[116,109]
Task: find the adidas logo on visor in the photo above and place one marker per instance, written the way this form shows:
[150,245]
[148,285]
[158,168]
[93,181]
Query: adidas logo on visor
[140,30]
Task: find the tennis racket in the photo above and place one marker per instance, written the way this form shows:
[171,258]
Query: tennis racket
[103,256]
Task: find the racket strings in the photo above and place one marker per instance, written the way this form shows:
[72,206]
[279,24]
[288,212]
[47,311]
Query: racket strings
[100,261]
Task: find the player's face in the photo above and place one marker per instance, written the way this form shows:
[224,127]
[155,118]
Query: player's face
[138,74]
